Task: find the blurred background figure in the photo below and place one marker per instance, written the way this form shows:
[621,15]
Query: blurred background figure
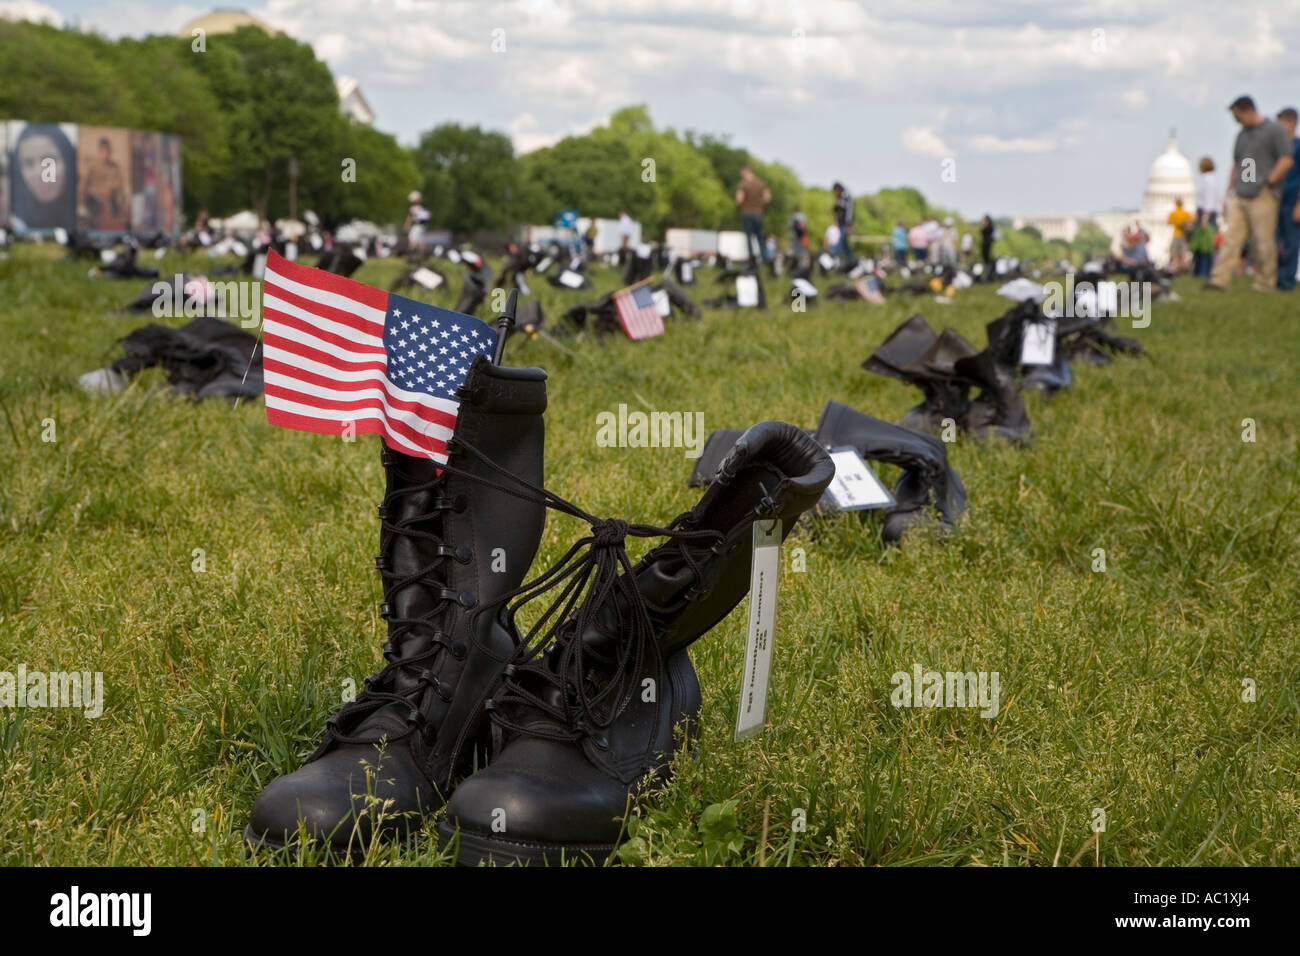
[798,234]
[752,196]
[1288,212]
[1261,155]
[416,217]
[842,209]
[898,242]
[1183,222]
[1209,197]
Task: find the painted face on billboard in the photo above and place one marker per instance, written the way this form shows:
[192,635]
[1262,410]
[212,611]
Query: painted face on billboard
[42,167]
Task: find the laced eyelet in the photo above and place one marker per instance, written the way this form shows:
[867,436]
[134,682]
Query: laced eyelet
[463,554]
[382,511]
[385,610]
[459,650]
[602,742]
[445,692]
[460,504]
[466,599]
[381,563]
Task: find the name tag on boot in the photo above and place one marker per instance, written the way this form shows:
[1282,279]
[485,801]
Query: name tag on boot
[765,562]
[855,486]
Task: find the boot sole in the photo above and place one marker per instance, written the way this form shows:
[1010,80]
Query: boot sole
[480,849]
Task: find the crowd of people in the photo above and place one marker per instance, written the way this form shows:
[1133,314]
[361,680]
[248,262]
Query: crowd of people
[1254,226]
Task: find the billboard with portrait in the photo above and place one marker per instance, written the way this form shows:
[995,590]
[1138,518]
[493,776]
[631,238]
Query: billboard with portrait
[98,179]
[103,179]
[42,174]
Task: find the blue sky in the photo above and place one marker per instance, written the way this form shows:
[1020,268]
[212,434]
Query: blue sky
[1042,106]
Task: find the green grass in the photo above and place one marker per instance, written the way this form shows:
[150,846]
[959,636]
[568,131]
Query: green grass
[1120,690]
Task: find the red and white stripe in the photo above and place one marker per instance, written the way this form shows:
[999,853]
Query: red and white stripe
[325,365]
[639,322]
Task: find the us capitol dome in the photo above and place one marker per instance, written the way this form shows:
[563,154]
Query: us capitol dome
[1170,179]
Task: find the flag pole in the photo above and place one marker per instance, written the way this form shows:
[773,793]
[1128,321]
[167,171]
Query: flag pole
[505,324]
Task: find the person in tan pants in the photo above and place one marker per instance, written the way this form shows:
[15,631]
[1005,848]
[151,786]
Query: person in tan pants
[1262,155]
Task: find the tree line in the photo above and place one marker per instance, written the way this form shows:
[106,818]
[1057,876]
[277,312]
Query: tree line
[253,106]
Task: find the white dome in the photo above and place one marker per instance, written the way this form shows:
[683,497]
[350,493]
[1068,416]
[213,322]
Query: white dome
[1170,178]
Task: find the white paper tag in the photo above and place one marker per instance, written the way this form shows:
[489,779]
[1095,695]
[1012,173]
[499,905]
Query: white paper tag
[688,272]
[746,291]
[662,305]
[764,565]
[571,279]
[427,278]
[805,287]
[855,486]
[1039,344]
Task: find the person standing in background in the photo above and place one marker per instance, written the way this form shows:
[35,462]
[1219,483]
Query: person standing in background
[948,247]
[898,242]
[967,248]
[1202,246]
[918,237]
[1208,195]
[1181,220]
[986,246]
[798,235]
[842,210]
[625,227]
[752,196]
[416,217]
[1288,212]
[1261,155]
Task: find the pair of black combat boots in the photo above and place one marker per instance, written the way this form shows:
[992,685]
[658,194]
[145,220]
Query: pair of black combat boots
[535,739]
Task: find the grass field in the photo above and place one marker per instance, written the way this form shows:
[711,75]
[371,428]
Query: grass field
[1120,690]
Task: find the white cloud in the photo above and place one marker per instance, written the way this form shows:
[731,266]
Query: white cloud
[987,143]
[31,11]
[924,140]
[1136,99]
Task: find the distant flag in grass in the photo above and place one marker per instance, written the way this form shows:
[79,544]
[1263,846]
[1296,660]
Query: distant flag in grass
[637,313]
[337,352]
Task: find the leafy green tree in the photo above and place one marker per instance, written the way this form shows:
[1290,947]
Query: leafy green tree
[470,177]
[1091,240]
[281,105]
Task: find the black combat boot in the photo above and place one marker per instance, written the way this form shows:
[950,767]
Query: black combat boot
[997,409]
[585,715]
[913,353]
[450,542]
[927,481]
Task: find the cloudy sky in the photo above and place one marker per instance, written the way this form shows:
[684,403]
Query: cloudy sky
[1038,106]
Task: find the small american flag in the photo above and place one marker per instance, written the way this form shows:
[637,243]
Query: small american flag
[337,352]
[637,312]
